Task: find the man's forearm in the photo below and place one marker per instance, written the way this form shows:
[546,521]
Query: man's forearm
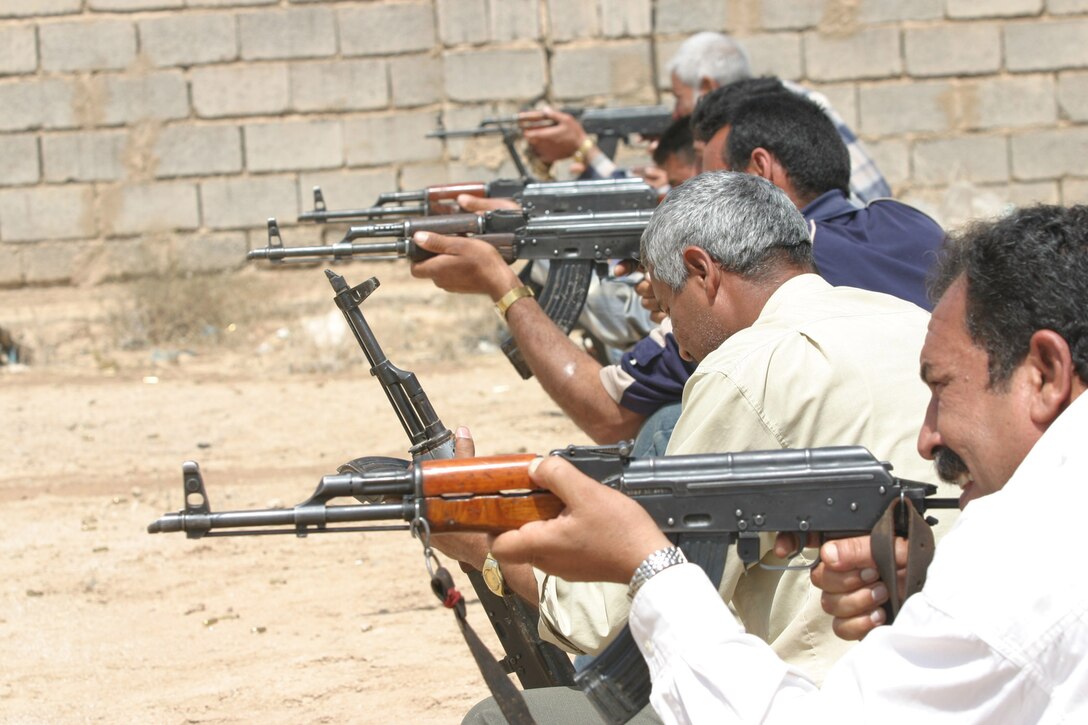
[569,375]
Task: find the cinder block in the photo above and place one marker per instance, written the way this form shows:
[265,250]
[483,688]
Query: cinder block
[134,5]
[789,14]
[616,69]
[292,33]
[958,49]
[372,29]
[185,150]
[161,95]
[30,104]
[189,39]
[890,11]
[462,21]
[481,75]
[1049,154]
[1011,101]
[240,90]
[248,202]
[1064,7]
[570,19]
[514,20]
[90,45]
[19,159]
[390,138]
[691,16]
[1074,191]
[1073,95]
[892,157]
[977,159]
[416,80]
[842,98]
[288,145]
[54,262]
[339,85]
[229,3]
[1038,192]
[38,8]
[347,189]
[46,212]
[911,107]
[666,49]
[220,252]
[419,176]
[968,9]
[84,156]
[11,265]
[1046,45]
[778,55]
[18,49]
[626,18]
[868,53]
[150,207]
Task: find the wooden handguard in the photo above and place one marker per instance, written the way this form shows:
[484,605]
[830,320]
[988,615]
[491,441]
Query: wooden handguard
[484,494]
[493,514]
[495,474]
[443,199]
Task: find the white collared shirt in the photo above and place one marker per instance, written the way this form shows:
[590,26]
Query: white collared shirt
[999,633]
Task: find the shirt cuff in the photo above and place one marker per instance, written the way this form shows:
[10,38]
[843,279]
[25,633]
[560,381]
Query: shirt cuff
[676,612]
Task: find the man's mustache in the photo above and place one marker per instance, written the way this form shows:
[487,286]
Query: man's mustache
[949,465]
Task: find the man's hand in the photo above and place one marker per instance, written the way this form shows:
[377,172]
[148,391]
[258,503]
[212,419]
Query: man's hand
[852,590]
[468,202]
[467,548]
[601,535]
[465,265]
[643,287]
[553,142]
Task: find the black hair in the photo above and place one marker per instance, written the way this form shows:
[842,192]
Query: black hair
[715,109]
[676,139]
[801,137]
[1025,272]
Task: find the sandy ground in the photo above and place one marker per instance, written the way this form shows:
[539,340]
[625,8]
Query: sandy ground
[102,622]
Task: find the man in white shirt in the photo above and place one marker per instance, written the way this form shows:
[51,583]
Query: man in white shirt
[999,633]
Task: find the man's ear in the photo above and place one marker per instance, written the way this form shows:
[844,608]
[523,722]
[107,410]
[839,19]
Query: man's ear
[764,164]
[703,270]
[706,85]
[1050,364]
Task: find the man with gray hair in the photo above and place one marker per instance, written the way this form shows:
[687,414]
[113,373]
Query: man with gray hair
[785,361]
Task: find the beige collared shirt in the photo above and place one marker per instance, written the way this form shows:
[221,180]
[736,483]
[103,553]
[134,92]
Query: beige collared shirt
[821,366]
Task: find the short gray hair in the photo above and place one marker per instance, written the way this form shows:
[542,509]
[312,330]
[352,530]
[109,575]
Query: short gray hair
[745,222]
[709,55]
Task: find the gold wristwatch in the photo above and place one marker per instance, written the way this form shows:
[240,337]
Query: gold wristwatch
[492,575]
[510,298]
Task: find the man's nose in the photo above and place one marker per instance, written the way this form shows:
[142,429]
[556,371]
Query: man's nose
[929,438]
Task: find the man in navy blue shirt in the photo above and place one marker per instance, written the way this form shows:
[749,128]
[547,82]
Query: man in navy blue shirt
[754,126]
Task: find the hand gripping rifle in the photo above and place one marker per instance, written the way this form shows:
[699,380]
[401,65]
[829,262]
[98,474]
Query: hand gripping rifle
[704,502]
[576,243]
[556,197]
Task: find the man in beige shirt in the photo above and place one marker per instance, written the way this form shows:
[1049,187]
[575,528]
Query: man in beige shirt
[785,361]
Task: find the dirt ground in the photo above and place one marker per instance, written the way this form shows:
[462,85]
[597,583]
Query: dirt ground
[102,622]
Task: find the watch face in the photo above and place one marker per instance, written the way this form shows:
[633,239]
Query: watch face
[493,577]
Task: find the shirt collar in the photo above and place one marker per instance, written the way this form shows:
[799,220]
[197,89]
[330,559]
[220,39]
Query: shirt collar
[801,284]
[827,205]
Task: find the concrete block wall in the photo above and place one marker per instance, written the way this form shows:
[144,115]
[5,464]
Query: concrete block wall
[141,133]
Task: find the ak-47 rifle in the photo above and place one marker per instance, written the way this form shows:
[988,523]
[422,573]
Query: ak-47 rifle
[706,503]
[554,197]
[609,125]
[576,244]
[536,663]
